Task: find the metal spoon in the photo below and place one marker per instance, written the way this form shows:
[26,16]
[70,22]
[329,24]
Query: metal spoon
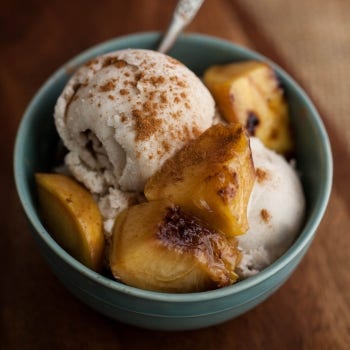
[184,13]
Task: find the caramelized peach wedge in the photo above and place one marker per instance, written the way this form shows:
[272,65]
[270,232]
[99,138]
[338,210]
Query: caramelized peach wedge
[211,177]
[158,246]
[72,217]
[249,92]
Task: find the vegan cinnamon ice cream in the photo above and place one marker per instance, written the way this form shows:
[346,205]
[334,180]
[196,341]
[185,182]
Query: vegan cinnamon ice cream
[122,115]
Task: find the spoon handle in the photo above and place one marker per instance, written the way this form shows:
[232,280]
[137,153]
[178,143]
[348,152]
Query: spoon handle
[183,14]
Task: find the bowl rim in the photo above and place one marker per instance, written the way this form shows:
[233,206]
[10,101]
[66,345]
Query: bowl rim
[301,243]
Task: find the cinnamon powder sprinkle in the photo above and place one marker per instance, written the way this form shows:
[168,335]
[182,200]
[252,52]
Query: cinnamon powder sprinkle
[123,92]
[166,146]
[120,63]
[145,124]
[175,115]
[154,80]
[151,95]
[111,97]
[110,61]
[147,106]
[109,86]
[186,133]
[158,80]
[178,81]
[261,175]
[163,97]
[91,63]
[265,215]
[123,118]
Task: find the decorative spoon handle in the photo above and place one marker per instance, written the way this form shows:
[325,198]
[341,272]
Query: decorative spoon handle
[183,15]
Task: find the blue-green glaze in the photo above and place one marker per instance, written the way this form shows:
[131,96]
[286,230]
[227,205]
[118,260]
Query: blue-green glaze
[35,143]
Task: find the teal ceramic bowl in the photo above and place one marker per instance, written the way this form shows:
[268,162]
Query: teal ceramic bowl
[35,145]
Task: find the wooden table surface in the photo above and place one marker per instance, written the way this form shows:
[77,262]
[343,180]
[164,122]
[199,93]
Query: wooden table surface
[310,39]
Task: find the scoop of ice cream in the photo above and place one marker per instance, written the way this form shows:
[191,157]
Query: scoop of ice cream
[123,114]
[275,211]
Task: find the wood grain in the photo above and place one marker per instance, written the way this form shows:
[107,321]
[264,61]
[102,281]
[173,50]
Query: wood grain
[310,39]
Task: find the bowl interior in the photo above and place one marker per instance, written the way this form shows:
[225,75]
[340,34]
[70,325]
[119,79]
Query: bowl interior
[37,139]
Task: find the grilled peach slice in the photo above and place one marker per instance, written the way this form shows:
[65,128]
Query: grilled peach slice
[211,177]
[249,92]
[158,246]
[72,217]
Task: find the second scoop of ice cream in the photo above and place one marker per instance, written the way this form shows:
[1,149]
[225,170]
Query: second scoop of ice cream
[123,114]
[275,211]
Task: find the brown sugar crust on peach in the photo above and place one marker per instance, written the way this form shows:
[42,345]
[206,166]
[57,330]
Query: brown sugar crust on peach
[217,152]
[186,233]
[183,231]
